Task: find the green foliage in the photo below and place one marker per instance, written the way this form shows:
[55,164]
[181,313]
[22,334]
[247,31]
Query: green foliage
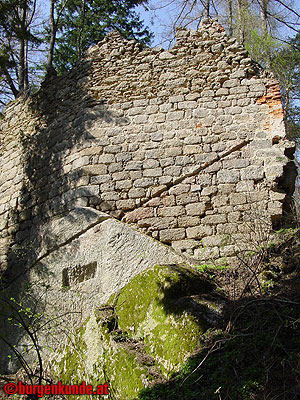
[84,23]
[262,48]
[283,60]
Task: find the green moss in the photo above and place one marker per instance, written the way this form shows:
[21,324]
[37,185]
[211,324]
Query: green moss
[149,307]
[70,368]
[126,375]
[148,330]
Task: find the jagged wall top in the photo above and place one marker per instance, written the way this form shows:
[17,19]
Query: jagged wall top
[185,144]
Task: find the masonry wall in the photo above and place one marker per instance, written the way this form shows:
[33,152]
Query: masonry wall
[187,145]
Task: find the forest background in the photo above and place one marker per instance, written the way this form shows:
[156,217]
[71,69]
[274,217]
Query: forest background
[38,37]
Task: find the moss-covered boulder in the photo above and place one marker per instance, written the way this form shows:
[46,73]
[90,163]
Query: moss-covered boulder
[151,307]
[144,333]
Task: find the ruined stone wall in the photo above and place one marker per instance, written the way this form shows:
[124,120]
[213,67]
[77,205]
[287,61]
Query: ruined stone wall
[187,145]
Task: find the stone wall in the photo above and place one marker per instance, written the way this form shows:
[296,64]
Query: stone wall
[187,145]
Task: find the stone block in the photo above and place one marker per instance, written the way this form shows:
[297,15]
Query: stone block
[93,170]
[106,158]
[175,115]
[113,149]
[187,105]
[150,163]
[152,172]
[274,171]
[139,214]
[256,196]
[183,245]
[94,180]
[214,219]
[252,172]
[173,151]
[173,211]
[245,186]
[80,162]
[237,198]
[232,176]
[135,175]
[160,223]
[199,232]
[230,83]
[158,190]
[228,251]
[169,235]
[228,228]
[187,198]
[169,201]
[173,170]
[180,189]
[133,166]
[136,193]
[197,209]
[115,167]
[219,201]
[125,204]
[192,149]
[143,182]
[124,156]
[234,216]
[204,179]
[236,163]
[277,196]
[186,221]
[135,111]
[216,240]
[157,137]
[140,119]
[110,196]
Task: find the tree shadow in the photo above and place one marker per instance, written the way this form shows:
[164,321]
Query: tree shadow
[62,113]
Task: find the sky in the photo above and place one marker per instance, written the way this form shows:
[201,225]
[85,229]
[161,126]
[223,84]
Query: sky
[156,20]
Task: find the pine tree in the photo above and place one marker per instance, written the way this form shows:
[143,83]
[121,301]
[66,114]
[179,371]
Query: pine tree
[85,22]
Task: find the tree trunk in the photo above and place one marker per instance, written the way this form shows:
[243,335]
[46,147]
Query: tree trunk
[264,16]
[21,65]
[26,78]
[79,41]
[230,18]
[11,84]
[22,58]
[53,29]
[240,21]
[206,11]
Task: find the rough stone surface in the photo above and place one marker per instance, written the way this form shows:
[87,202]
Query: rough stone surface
[186,146]
[135,338]
[94,257]
[128,128]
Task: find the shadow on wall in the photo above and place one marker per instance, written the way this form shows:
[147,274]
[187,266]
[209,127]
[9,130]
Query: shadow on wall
[65,111]
[288,184]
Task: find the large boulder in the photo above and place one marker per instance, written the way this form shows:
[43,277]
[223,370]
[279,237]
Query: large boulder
[144,333]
